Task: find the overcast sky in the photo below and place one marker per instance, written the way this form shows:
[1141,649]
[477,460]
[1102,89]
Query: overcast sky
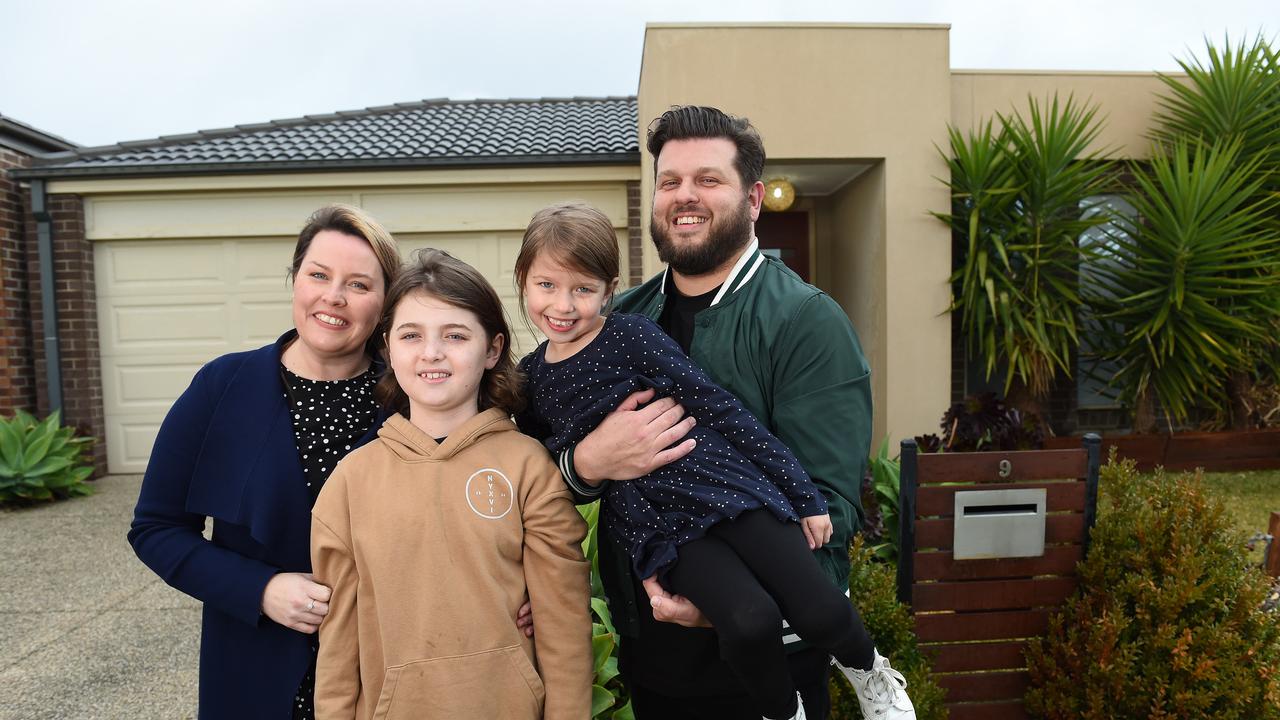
[101,71]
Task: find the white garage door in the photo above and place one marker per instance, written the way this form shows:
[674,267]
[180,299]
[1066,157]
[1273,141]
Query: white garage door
[166,307]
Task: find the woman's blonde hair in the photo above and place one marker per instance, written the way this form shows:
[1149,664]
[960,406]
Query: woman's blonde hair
[352,221]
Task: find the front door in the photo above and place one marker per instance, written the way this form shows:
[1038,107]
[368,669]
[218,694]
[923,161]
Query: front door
[785,235]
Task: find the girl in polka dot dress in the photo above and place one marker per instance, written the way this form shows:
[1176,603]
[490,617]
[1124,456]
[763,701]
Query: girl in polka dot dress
[730,525]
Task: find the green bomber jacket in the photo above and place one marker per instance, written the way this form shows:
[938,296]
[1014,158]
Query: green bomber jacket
[789,353]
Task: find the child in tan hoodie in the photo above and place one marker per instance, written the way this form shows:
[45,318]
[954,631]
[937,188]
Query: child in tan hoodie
[433,535]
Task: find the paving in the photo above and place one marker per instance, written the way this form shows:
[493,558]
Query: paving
[86,630]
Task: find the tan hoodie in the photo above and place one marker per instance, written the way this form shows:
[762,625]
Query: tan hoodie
[430,551]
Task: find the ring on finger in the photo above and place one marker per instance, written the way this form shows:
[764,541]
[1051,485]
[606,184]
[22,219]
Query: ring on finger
[311,605]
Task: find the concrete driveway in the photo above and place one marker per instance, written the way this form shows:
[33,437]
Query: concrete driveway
[86,630]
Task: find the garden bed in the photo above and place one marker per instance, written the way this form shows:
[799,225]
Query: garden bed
[1213,451]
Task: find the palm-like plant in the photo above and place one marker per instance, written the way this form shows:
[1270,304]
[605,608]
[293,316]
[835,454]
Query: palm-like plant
[1018,194]
[1233,97]
[1181,292]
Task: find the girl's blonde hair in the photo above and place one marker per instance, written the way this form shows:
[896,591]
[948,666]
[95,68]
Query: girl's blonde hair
[442,276]
[573,234]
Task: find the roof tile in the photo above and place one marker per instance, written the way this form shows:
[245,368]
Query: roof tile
[430,131]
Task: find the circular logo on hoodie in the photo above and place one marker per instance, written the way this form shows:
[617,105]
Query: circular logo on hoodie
[489,493]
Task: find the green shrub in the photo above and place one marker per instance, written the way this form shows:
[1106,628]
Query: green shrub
[873,589]
[880,490]
[1167,622]
[41,460]
[609,697]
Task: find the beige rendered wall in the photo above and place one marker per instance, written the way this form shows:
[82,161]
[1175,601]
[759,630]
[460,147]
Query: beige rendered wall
[1126,101]
[845,92]
[856,261]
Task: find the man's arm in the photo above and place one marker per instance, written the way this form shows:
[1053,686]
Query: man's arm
[820,372]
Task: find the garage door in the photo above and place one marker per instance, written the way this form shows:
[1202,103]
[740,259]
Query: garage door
[166,307]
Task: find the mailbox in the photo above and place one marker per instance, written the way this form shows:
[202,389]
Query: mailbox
[999,523]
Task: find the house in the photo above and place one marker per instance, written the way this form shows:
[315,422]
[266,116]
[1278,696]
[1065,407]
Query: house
[171,251]
[19,145]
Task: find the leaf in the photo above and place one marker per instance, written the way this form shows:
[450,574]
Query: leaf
[11,442]
[608,672]
[624,713]
[37,443]
[601,648]
[48,465]
[601,610]
[601,700]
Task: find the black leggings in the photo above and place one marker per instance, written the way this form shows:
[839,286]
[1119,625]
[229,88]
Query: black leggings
[746,575]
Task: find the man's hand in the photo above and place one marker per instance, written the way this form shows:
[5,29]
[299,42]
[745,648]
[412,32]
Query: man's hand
[672,608]
[633,441]
[817,530]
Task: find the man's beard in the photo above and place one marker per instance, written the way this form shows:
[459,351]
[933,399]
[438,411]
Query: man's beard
[725,238]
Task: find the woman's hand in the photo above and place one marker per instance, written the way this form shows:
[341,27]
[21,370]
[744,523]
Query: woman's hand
[817,530]
[296,601]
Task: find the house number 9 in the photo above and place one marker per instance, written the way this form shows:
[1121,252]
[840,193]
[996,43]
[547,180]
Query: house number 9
[1006,467]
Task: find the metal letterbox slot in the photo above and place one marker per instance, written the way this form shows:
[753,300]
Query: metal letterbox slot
[999,523]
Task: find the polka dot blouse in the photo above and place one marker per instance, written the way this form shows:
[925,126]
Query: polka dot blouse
[329,418]
[737,465]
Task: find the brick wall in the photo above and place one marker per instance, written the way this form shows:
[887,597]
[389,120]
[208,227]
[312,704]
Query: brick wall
[77,323]
[17,379]
[635,243]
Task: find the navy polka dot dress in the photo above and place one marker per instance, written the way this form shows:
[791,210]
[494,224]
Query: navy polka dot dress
[738,465]
[329,418]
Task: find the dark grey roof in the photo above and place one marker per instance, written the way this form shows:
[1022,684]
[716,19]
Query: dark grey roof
[427,133]
[28,140]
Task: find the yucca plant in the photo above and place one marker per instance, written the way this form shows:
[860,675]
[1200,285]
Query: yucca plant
[1185,291]
[1234,96]
[41,460]
[1019,192]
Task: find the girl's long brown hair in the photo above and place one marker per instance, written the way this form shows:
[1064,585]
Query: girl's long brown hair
[441,275]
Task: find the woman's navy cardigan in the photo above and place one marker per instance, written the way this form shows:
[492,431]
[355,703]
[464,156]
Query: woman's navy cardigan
[226,450]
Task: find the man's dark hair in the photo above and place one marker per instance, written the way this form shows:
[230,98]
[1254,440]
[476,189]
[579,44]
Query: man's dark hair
[688,122]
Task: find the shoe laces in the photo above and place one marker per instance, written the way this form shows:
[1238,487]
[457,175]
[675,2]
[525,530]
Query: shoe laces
[884,686]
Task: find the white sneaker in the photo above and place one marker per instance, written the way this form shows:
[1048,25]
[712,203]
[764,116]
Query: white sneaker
[881,691]
[799,709]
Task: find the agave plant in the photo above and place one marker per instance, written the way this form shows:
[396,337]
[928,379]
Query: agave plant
[1019,194]
[1185,291]
[41,460]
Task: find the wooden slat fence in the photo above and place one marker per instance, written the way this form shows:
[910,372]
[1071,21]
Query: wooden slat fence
[974,617]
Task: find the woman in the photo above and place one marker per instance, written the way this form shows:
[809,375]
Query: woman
[249,444]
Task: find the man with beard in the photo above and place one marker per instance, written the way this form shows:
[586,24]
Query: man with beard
[782,346]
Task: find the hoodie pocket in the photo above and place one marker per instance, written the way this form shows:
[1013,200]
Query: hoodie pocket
[499,683]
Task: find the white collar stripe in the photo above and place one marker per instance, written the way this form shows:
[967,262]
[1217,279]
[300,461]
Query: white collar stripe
[754,267]
[743,259]
[749,256]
